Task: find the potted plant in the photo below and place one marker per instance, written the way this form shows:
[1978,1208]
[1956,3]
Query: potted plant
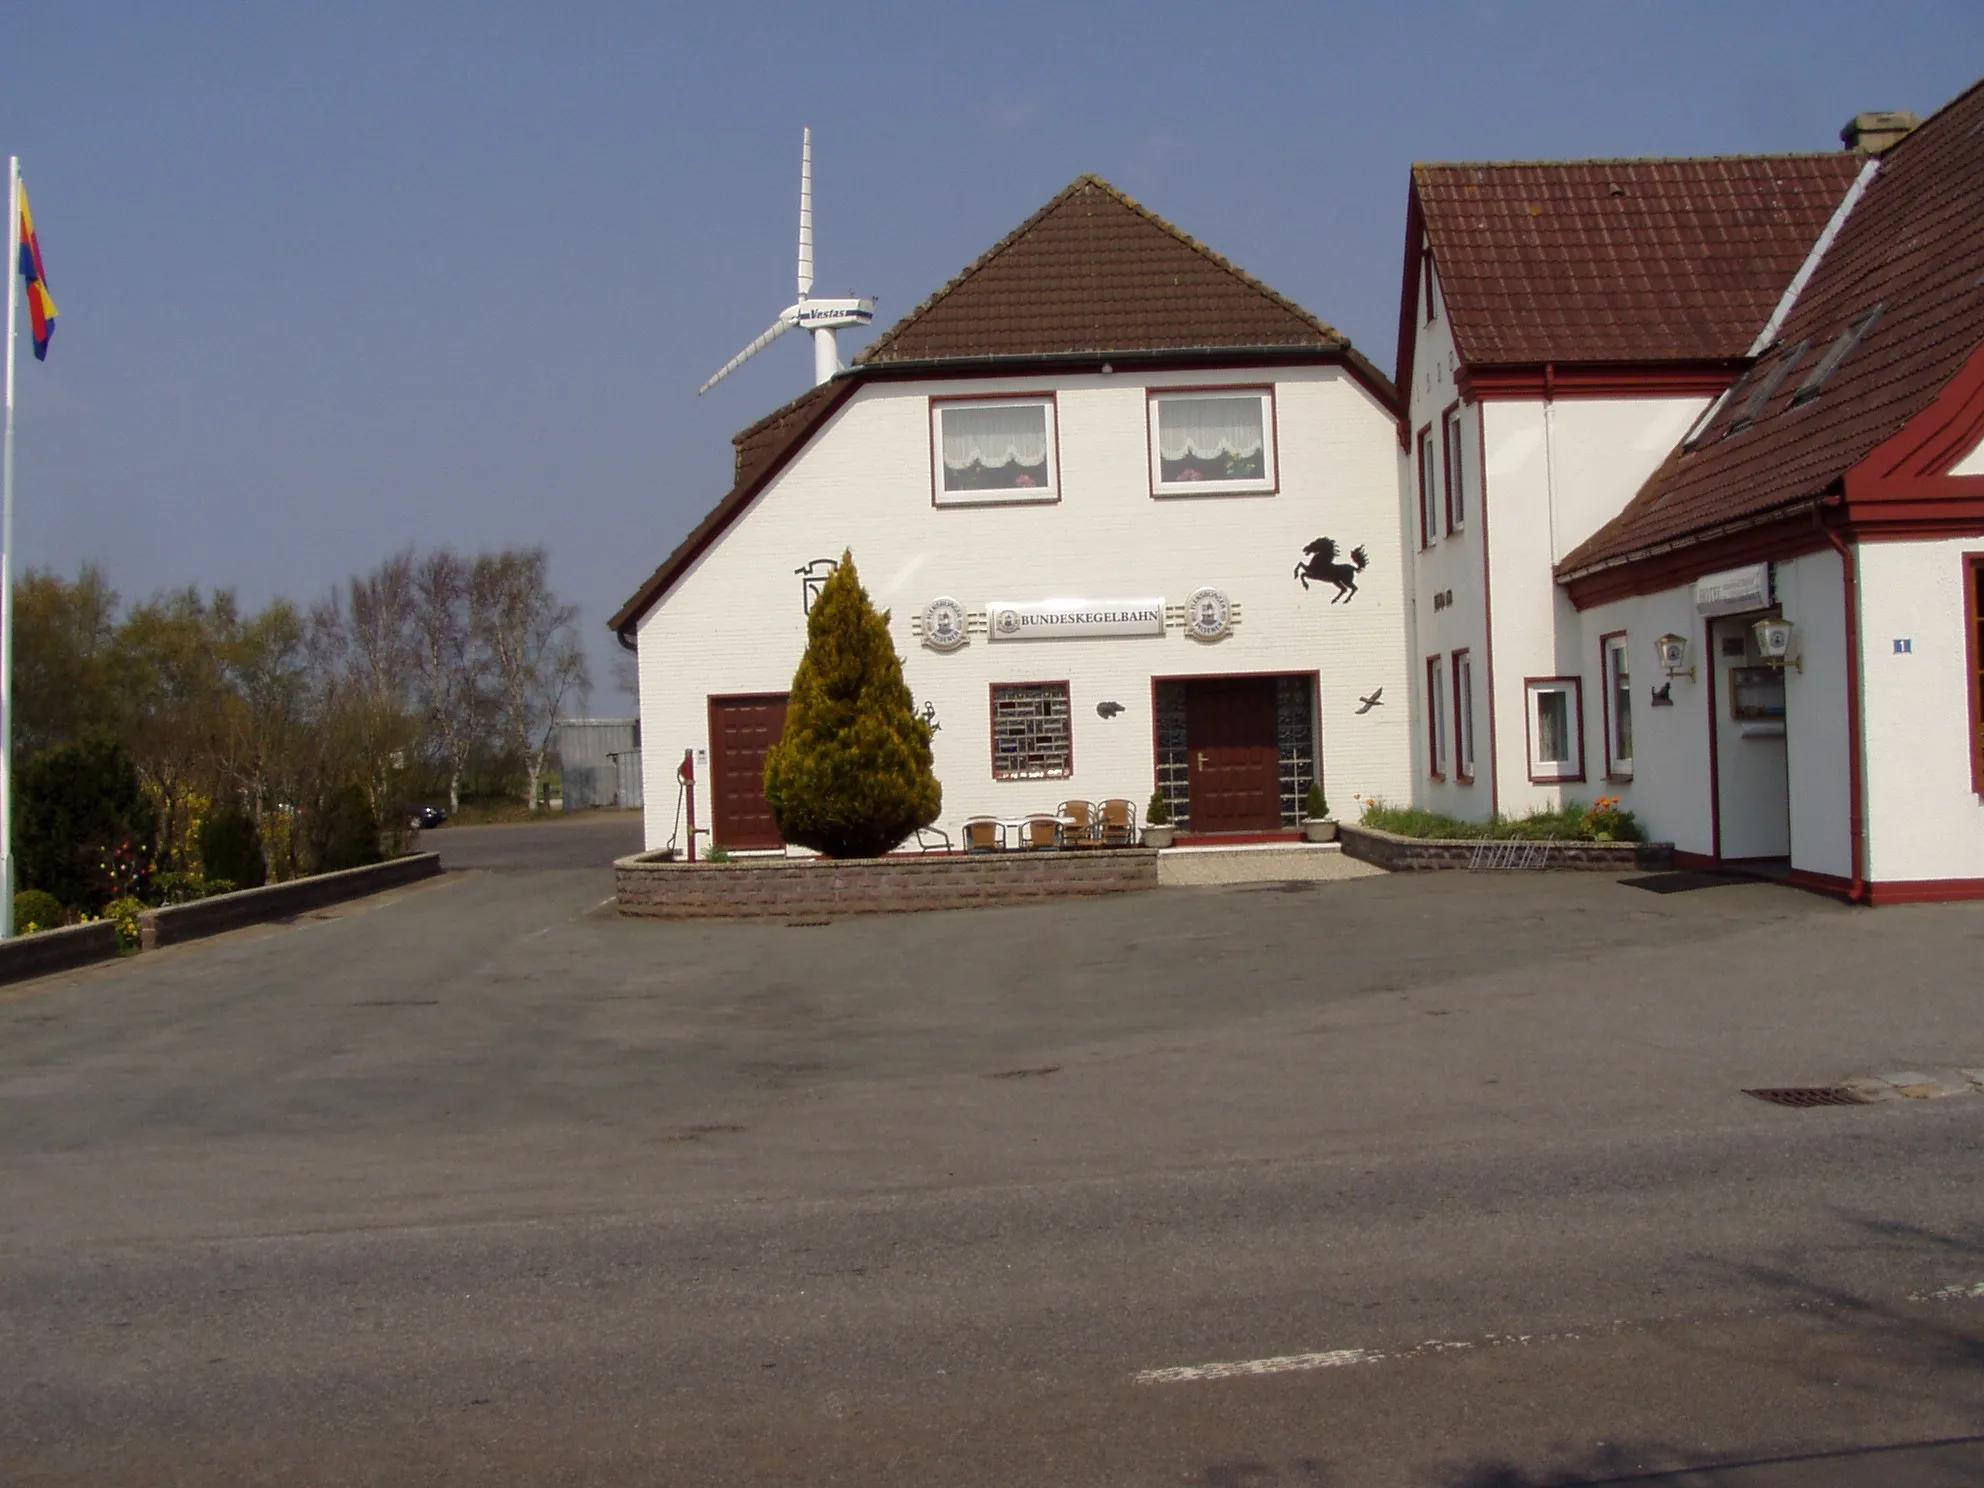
[1317,826]
[1158,831]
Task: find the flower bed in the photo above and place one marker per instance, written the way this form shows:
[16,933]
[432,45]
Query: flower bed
[801,888]
[1402,854]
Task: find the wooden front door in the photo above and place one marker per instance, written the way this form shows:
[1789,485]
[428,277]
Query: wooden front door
[742,732]
[1235,766]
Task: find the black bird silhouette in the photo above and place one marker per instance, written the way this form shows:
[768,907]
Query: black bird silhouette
[1108,710]
[1375,700]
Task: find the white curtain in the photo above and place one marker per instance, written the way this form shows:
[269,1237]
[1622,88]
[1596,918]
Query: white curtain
[1206,428]
[999,434]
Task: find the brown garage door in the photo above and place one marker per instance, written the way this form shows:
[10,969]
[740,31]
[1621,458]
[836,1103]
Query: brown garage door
[1235,768]
[742,732]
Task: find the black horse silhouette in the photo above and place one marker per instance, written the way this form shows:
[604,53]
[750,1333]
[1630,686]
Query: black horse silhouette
[1324,569]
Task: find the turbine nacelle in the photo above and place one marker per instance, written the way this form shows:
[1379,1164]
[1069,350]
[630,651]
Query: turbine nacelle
[821,318]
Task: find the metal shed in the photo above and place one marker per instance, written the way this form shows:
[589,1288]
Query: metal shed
[601,761]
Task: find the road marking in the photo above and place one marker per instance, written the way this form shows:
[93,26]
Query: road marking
[1286,1364]
[1958,1293]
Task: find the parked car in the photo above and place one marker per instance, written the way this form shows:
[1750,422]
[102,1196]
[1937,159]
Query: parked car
[427,816]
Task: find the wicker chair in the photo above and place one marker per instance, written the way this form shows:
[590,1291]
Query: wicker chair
[1117,822]
[1040,833]
[984,834]
[1078,824]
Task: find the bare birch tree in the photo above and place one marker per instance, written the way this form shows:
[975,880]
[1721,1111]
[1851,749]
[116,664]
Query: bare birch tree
[530,644]
[447,665]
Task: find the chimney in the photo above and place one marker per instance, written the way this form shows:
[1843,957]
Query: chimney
[1871,134]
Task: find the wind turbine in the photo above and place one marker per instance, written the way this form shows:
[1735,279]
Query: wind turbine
[821,317]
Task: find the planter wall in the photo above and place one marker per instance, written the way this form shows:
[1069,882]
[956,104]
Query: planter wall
[782,888]
[279,901]
[1399,854]
[47,951]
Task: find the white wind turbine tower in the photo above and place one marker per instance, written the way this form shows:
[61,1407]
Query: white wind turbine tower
[821,317]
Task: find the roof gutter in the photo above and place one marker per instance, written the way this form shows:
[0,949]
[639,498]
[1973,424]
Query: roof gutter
[1694,539]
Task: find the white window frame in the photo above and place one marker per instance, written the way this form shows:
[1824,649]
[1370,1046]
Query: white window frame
[1049,491]
[1266,484]
[1463,675]
[1542,771]
[1452,444]
[1616,660]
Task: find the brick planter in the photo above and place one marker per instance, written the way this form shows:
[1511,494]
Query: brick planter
[47,951]
[800,888]
[1425,854]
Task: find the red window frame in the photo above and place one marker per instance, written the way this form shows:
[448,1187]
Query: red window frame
[1434,733]
[1463,766]
[1429,530]
[1450,461]
[1973,603]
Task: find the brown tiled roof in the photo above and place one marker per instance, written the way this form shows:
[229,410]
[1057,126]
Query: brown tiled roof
[1914,246]
[1092,271]
[1619,260]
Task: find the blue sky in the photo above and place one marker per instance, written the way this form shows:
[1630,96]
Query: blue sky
[343,277]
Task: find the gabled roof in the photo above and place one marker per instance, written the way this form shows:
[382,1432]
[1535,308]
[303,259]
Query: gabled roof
[1614,261]
[1913,246]
[1090,275]
[1092,271]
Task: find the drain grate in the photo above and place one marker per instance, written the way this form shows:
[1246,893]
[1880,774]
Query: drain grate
[1809,1095]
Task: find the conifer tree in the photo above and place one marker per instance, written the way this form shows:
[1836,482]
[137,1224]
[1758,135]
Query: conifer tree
[851,777]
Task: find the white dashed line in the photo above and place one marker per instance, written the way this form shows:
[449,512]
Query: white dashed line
[1958,1293]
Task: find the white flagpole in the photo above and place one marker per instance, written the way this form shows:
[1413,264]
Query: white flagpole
[13,270]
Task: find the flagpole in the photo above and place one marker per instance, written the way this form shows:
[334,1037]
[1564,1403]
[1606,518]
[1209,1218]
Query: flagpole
[13,270]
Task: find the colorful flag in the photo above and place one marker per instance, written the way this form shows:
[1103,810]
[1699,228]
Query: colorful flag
[41,309]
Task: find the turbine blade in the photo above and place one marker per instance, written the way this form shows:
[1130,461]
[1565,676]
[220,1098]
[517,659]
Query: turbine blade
[779,328]
[806,213]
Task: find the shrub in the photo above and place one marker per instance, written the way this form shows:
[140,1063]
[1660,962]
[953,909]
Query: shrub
[1158,813]
[852,776]
[1316,804]
[35,910]
[1571,822]
[124,913]
[86,827]
[346,833]
[231,848]
[184,888]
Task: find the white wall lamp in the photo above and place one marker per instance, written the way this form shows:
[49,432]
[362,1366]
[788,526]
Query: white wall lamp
[1671,654]
[1775,637]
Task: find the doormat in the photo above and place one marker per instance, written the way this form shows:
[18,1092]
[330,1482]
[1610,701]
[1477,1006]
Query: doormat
[1682,880]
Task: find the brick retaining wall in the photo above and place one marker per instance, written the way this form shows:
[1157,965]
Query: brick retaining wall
[47,951]
[181,922]
[798,888]
[1399,854]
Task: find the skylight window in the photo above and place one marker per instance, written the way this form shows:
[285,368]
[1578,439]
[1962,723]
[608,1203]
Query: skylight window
[1766,388]
[1849,338]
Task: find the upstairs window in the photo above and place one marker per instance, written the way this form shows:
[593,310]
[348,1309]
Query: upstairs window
[1839,351]
[997,449]
[1429,493]
[1204,444]
[1456,469]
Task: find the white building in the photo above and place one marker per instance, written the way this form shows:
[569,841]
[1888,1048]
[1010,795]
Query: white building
[1671,401]
[1135,517]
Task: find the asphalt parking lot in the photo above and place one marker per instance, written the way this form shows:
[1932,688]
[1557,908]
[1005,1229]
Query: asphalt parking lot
[478,1182]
